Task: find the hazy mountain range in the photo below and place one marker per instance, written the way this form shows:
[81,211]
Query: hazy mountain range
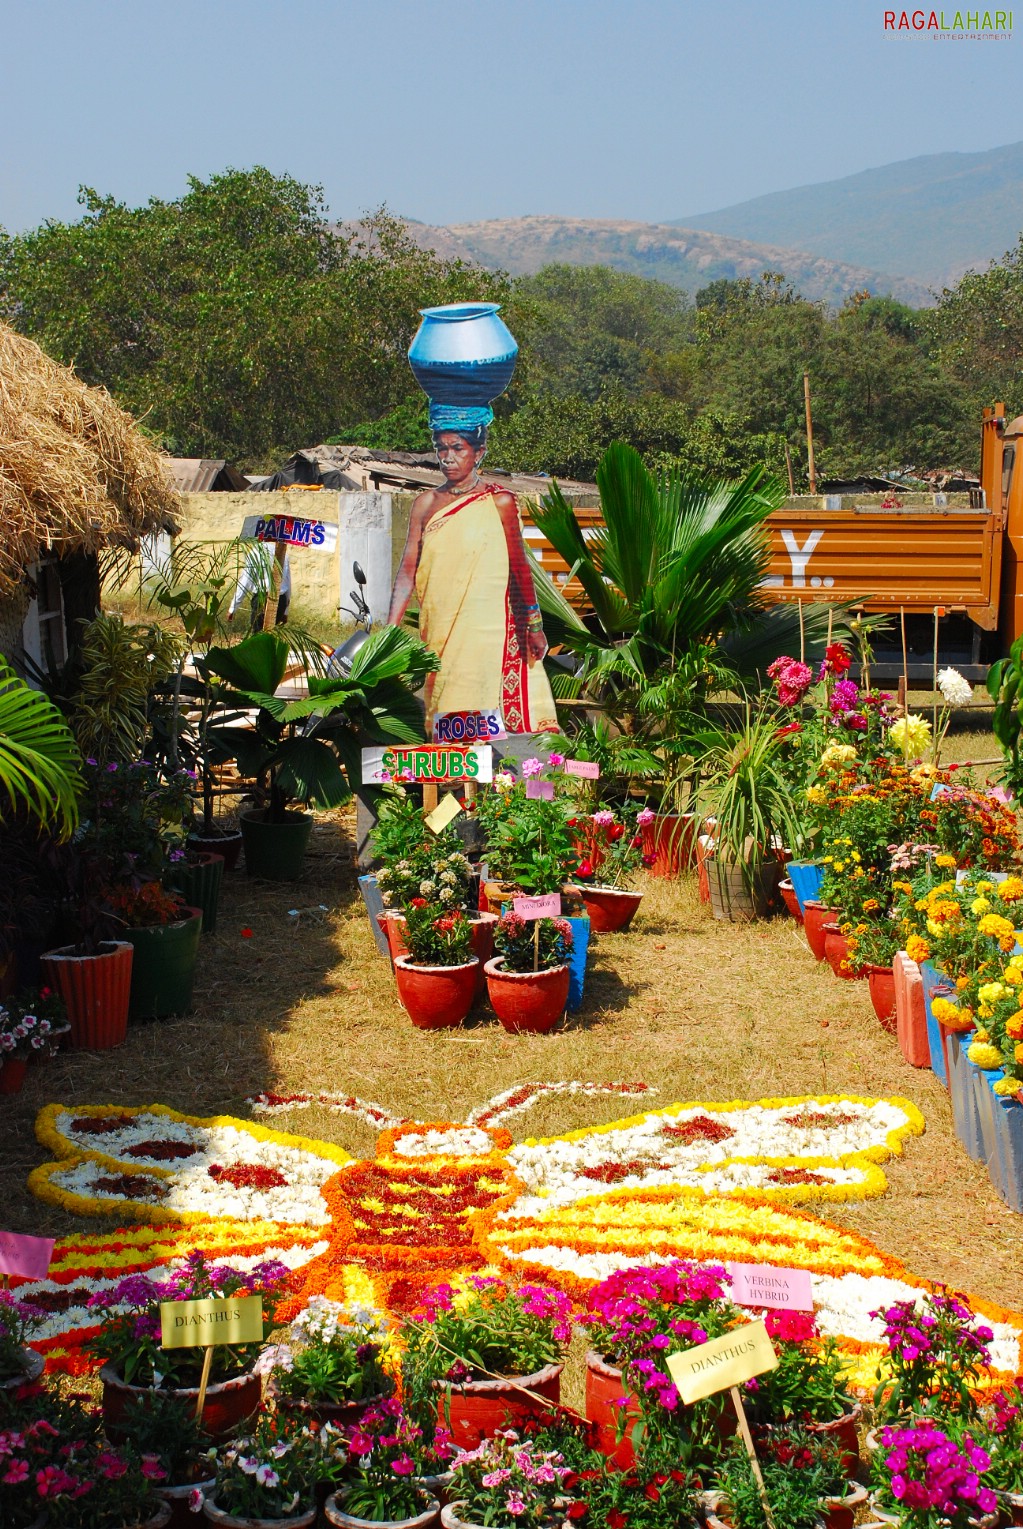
[909,228]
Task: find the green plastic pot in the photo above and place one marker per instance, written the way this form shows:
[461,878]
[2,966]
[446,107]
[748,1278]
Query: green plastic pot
[199,884]
[276,851]
[163,967]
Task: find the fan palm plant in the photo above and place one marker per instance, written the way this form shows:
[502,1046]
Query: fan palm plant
[673,578]
[38,756]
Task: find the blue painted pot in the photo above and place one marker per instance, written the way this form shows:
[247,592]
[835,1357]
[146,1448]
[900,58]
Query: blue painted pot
[577,960]
[374,901]
[806,877]
[936,985]
[463,354]
[965,1104]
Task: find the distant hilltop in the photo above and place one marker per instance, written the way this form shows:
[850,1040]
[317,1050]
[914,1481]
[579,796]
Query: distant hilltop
[684,257]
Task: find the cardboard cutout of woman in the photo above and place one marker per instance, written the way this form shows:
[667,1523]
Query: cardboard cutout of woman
[466,560]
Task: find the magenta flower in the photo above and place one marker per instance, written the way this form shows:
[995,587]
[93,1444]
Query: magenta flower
[531,767]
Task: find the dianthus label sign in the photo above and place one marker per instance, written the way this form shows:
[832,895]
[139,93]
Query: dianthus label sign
[538,907]
[204,1324]
[540,790]
[726,1361]
[26,1256]
[765,1285]
[586,768]
[291,530]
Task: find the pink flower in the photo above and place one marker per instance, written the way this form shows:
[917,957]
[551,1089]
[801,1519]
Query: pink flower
[515,1505]
[645,818]
[604,819]
[195,1500]
[403,1466]
[555,759]
[531,767]
[16,1472]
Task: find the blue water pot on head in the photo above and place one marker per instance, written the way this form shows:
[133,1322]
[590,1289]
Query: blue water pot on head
[463,354]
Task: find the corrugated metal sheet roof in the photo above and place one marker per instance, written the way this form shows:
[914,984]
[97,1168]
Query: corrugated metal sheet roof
[200,475]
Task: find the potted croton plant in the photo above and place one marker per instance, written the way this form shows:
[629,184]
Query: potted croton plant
[437,979]
[490,1359]
[332,1365]
[613,853]
[135,1365]
[528,979]
[383,1485]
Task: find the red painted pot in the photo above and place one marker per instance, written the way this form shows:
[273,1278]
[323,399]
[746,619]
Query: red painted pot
[482,947]
[836,953]
[96,991]
[435,997]
[227,845]
[229,1403]
[481,1407]
[841,1432]
[791,901]
[341,1414]
[393,925]
[12,1074]
[611,909]
[840,1512]
[815,916]
[604,1386]
[530,1002]
[670,839]
[910,1012]
[882,995]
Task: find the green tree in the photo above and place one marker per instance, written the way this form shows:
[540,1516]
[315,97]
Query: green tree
[977,333]
[235,319]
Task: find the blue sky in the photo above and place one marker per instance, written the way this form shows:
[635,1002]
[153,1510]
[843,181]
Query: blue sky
[648,109]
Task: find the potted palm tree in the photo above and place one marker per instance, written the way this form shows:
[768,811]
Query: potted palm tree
[307,751]
[744,789]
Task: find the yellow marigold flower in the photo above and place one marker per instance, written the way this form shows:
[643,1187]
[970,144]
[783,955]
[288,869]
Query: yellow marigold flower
[1006,1088]
[1011,889]
[1012,975]
[934,928]
[984,886]
[911,735]
[837,754]
[871,905]
[942,1009]
[856,856]
[946,862]
[816,795]
[981,1054]
[1018,1052]
[982,1034]
[917,949]
[903,886]
[839,865]
[1014,1027]
[991,992]
[962,982]
[985,1010]
[996,927]
[980,905]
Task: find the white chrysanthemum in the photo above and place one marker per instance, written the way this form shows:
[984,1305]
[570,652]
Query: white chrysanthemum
[956,690]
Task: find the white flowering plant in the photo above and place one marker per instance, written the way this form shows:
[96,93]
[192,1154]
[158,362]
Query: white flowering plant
[437,871]
[335,1354]
[23,1033]
[274,1471]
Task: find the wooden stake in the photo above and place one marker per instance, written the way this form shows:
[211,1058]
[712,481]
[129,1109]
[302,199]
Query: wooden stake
[747,1439]
[903,698]
[788,468]
[831,622]
[802,635]
[934,681]
[809,434]
[536,945]
[204,1380]
[276,575]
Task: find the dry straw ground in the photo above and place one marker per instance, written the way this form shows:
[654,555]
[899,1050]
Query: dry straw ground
[703,1010]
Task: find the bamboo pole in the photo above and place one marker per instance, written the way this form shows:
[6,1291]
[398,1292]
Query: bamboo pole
[809,433]
[204,1380]
[802,635]
[747,1439]
[788,469]
[276,575]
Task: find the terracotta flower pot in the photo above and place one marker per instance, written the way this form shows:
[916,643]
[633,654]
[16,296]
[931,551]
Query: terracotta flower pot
[611,909]
[95,990]
[670,839]
[530,1002]
[836,953]
[12,1074]
[334,1513]
[840,1512]
[435,997]
[841,1432]
[604,1386]
[181,1515]
[229,1403]
[791,901]
[815,916]
[881,980]
[214,1515]
[479,1408]
[341,1414]
[483,925]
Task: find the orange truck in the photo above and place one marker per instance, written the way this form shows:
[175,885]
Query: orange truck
[957,555]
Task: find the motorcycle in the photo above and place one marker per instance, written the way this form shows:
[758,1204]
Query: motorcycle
[339,665]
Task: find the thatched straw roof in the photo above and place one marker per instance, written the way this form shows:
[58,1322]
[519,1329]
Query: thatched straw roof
[75,472]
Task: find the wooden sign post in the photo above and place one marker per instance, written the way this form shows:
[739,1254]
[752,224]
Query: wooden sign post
[722,1365]
[285,531]
[536,908]
[207,1324]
